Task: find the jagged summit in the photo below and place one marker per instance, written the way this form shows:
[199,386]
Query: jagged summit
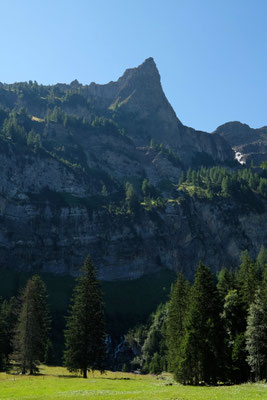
[148,67]
[143,78]
[138,104]
[149,60]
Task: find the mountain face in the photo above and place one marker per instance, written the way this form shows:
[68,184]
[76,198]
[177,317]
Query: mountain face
[250,145]
[140,101]
[137,102]
[95,169]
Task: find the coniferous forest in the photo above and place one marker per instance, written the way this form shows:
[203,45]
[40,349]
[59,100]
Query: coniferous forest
[211,330]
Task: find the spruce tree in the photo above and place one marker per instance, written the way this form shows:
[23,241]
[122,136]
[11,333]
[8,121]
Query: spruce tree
[203,344]
[85,335]
[256,337]
[131,198]
[3,352]
[264,288]
[177,309]
[234,319]
[226,282]
[261,262]
[247,279]
[31,336]
[8,318]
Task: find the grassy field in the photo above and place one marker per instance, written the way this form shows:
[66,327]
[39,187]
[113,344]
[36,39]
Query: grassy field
[57,383]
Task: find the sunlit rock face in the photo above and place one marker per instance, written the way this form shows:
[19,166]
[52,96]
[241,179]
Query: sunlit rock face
[52,207]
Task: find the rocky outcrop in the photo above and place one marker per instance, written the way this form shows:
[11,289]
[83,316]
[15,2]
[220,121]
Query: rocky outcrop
[250,145]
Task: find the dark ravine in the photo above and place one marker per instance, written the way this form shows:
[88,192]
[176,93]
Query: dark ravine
[52,213]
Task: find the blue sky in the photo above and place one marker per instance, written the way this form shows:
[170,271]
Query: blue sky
[211,54]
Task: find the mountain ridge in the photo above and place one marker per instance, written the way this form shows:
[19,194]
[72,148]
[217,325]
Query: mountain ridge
[138,94]
[95,169]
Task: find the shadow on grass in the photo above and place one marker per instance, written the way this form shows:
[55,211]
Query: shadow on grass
[117,379]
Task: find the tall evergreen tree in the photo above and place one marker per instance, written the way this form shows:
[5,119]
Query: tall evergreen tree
[31,337]
[131,198]
[203,344]
[226,282]
[85,334]
[261,262]
[3,352]
[256,337]
[8,318]
[234,319]
[264,288]
[247,278]
[177,309]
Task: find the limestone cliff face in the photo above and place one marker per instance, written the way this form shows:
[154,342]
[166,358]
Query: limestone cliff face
[54,169]
[44,233]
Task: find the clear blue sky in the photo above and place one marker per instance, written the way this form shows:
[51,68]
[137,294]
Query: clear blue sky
[211,54]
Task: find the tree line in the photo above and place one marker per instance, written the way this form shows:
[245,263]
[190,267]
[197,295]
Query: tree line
[220,181]
[212,330]
[25,325]
[218,332]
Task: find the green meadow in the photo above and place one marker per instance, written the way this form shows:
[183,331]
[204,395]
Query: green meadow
[57,383]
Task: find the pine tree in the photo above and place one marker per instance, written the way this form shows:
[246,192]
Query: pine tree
[147,188]
[8,317]
[131,198]
[177,310]
[247,278]
[203,344]
[234,319]
[256,337]
[226,282]
[85,335]
[261,262]
[226,186]
[31,337]
[264,288]
[3,353]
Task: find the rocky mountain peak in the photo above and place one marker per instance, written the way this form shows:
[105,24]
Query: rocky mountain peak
[231,126]
[147,69]
[138,98]
[75,84]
